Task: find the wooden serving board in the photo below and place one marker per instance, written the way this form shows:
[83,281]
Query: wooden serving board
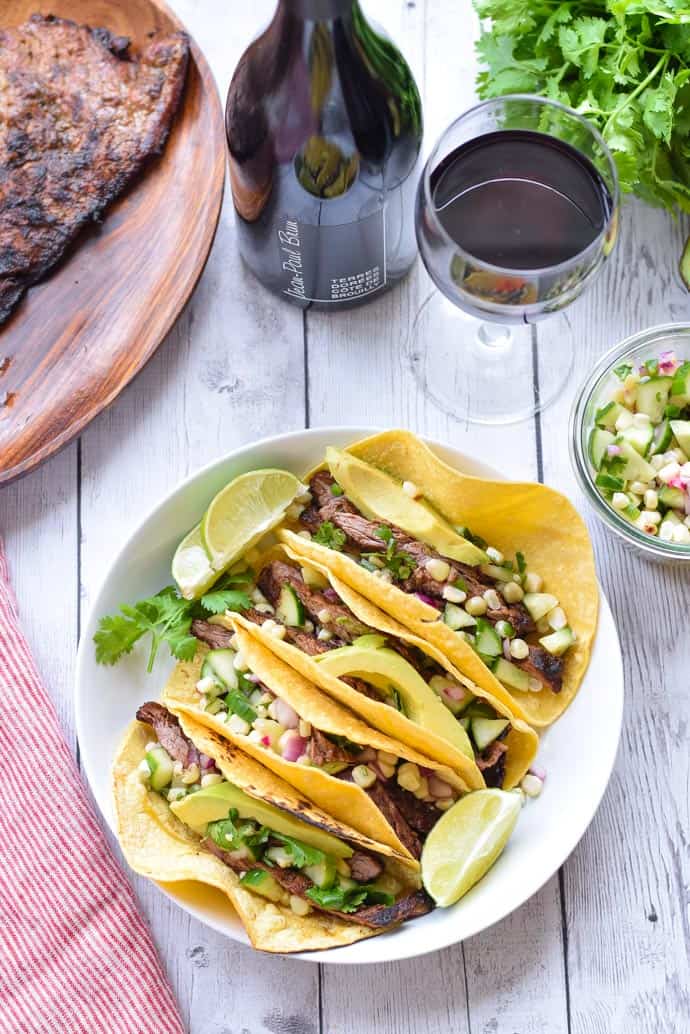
[79,337]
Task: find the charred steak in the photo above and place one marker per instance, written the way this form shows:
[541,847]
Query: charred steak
[78,120]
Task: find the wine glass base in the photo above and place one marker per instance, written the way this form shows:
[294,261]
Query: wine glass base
[486,373]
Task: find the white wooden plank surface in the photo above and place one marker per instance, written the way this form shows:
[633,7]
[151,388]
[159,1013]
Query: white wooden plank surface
[233,369]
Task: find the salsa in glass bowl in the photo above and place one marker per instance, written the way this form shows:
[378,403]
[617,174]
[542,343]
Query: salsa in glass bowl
[630,441]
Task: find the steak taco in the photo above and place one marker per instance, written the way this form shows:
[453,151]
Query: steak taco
[193,807]
[358,775]
[360,656]
[390,519]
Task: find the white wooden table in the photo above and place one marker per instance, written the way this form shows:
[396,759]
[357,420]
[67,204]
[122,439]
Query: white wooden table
[604,947]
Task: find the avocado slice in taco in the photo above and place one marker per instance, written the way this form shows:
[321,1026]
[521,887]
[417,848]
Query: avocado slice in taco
[396,681]
[190,806]
[391,520]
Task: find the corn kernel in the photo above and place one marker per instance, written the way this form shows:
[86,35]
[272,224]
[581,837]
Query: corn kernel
[651,499]
[532,785]
[438,569]
[495,555]
[533,582]
[620,500]
[476,606]
[453,594]
[363,776]
[409,776]
[519,649]
[512,592]
[493,600]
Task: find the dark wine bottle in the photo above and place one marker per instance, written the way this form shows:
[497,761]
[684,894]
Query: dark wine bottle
[324,126]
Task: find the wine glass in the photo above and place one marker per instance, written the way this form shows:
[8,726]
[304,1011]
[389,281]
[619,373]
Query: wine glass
[517,210]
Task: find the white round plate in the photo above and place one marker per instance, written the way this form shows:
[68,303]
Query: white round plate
[578,752]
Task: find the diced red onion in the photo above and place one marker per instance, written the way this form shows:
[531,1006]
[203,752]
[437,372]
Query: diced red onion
[454,692]
[205,762]
[292,745]
[331,595]
[506,649]
[284,714]
[266,741]
[437,787]
[428,599]
[426,771]
[613,450]
[677,482]
[540,773]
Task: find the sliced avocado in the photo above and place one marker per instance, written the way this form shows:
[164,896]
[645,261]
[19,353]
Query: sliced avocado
[539,604]
[488,640]
[160,766]
[290,609]
[220,666]
[599,441]
[652,397]
[486,730]
[214,802]
[384,668]
[558,642]
[263,883]
[607,415]
[681,432]
[380,497]
[672,497]
[371,641]
[510,675]
[457,617]
[640,438]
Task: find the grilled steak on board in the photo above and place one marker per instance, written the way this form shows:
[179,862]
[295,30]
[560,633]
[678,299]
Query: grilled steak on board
[78,120]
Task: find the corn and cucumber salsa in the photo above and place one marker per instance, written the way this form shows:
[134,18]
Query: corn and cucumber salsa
[640,447]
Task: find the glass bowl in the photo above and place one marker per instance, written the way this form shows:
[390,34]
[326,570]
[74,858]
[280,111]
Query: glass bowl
[597,389]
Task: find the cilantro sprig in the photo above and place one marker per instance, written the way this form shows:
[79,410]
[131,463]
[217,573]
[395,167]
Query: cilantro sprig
[624,66]
[167,618]
[328,535]
[399,563]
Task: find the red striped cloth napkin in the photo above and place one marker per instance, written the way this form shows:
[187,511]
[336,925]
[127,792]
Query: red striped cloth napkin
[75,955]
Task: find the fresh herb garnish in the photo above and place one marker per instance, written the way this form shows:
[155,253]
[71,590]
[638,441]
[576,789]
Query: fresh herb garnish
[623,371]
[328,535]
[672,411]
[300,853]
[348,745]
[476,540]
[651,366]
[336,490]
[399,563]
[521,563]
[624,66]
[460,583]
[238,704]
[167,617]
[231,836]
[341,900]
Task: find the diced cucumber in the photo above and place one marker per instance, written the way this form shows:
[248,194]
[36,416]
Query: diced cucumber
[558,642]
[488,641]
[539,604]
[672,497]
[672,517]
[323,874]
[633,467]
[663,436]
[280,856]
[290,610]
[465,722]
[680,386]
[457,617]
[640,438]
[607,415]
[160,766]
[215,706]
[631,513]
[237,704]
[499,574]
[486,730]
[480,709]
[313,578]
[510,675]
[263,883]
[652,397]
[370,642]
[599,441]
[681,432]
[220,665]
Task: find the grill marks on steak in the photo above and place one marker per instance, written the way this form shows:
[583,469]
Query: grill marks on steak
[295,882]
[79,121]
[341,621]
[361,537]
[382,798]
[168,733]
[492,764]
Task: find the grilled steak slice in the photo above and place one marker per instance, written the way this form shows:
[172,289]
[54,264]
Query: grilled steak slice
[361,536]
[215,636]
[323,751]
[384,801]
[79,121]
[544,666]
[492,763]
[169,733]
[294,882]
[364,868]
[421,816]
[341,621]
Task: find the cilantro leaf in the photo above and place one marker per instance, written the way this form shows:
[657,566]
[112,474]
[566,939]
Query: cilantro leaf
[328,535]
[220,600]
[302,854]
[341,900]
[622,371]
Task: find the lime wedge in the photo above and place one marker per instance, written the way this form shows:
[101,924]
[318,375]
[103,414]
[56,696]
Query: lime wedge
[243,512]
[191,567]
[466,841]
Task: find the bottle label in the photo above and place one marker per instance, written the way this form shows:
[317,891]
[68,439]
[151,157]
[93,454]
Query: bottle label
[332,263]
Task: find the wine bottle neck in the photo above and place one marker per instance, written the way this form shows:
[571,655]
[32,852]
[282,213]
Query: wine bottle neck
[318,10]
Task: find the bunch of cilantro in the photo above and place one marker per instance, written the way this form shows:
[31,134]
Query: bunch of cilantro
[623,64]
